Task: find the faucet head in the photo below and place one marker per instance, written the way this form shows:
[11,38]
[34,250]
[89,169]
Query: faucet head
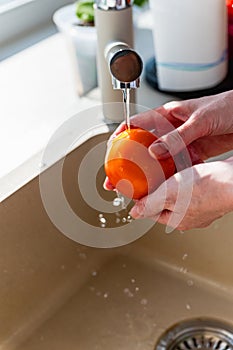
[125,65]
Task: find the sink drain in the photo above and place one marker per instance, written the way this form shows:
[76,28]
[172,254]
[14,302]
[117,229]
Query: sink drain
[197,334]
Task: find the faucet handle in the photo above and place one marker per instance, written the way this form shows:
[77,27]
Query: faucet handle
[113,4]
[125,65]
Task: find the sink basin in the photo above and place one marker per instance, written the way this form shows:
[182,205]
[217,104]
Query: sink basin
[59,294]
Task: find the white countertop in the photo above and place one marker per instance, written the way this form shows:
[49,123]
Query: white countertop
[38,94]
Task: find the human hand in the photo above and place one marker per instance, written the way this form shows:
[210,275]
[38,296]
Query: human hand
[159,125]
[206,123]
[204,126]
[192,198]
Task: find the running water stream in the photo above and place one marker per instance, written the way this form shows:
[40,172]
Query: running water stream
[126,101]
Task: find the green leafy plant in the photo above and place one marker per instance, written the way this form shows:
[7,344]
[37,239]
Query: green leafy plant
[85,10]
[140,3]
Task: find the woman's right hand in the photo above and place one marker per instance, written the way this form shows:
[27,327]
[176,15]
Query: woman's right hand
[206,123]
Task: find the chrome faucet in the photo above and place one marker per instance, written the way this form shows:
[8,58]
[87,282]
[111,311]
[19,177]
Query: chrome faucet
[119,66]
[125,65]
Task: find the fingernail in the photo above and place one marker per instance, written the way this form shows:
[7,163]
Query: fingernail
[107,185]
[159,150]
[134,212]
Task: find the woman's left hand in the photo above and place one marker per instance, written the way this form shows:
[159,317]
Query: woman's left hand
[192,198]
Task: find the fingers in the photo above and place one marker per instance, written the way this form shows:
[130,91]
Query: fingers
[177,140]
[149,120]
[181,110]
[168,204]
[107,185]
[189,127]
[152,205]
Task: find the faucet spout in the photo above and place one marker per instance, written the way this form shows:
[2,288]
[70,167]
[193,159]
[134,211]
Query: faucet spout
[125,65]
[119,66]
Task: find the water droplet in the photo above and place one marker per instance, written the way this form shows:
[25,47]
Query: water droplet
[128,292]
[63,267]
[100,215]
[136,289]
[94,273]
[117,201]
[129,218]
[103,220]
[118,220]
[105,295]
[83,256]
[123,219]
[188,307]
[103,225]
[190,283]
[133,280]
[144,301]
[98,294]
[185,256]
[124,266]
[92,289]
[183,270]
[182,232]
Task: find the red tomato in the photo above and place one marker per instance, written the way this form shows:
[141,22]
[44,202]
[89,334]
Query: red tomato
[129,166]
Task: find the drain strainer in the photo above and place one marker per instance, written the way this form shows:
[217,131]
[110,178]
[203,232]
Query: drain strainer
[197,334]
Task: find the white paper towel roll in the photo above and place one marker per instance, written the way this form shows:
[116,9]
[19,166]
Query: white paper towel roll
[190,38]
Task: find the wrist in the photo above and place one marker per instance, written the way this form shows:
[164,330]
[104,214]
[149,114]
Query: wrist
[229,183]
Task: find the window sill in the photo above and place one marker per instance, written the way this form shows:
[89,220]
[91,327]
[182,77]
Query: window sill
[38,94]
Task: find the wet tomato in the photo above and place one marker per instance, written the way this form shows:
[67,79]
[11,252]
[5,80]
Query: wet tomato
[129,166]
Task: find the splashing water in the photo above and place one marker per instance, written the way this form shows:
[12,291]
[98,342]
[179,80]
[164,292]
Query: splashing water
[183,270]
[144,301]
[120,200]
[185,256]
[190,283]
[83,256]
[117,202]
[128,293]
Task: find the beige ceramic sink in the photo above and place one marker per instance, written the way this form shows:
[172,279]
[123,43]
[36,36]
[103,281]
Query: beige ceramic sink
[57,294]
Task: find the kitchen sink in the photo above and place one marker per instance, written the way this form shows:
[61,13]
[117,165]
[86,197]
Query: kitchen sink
[59,294]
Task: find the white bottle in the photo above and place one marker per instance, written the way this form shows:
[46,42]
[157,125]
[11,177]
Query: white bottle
[190,39]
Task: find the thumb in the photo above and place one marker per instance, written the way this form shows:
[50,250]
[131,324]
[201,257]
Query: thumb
[175,141]
[151,205]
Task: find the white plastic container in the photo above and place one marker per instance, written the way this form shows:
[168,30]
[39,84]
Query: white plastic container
[81,43]
[190,38]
